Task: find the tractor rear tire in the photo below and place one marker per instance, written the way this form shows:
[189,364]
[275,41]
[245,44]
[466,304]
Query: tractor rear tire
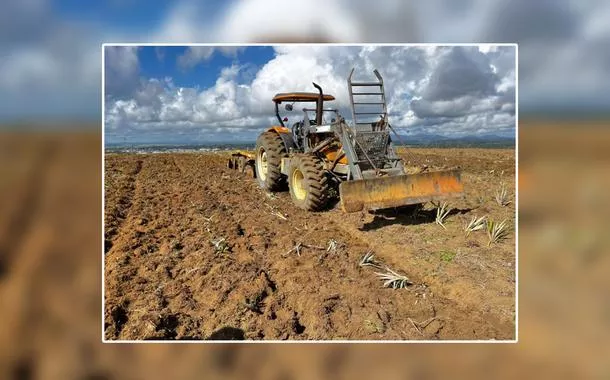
[269,152]
[308,182]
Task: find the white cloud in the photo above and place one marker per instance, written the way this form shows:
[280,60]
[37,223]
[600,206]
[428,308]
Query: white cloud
[194,55]
[183,24]
[482,102]
[553,35]
[197,54]
[50,63]
[48,66]
[28,67]
[122,69]
[262,20]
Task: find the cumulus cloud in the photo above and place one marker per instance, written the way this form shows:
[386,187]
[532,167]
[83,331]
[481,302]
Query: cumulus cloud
[122,70]
[50,63]
[261,20]
[459,73]
[448,91]
[48,66]
[197,54]
[194,55]
[158,105]
[553,35]
[466,81]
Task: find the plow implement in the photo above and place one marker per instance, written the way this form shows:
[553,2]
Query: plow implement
[242,161]
[400,190]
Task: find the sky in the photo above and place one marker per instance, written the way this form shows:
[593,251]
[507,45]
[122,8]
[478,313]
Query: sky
[178,94]
[50,50]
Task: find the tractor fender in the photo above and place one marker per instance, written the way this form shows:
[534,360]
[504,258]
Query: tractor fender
[286,136]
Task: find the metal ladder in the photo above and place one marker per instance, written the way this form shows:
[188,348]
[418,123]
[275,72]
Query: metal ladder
[371,146]
[357,116]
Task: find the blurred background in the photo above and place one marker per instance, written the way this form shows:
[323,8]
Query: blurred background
[50,183]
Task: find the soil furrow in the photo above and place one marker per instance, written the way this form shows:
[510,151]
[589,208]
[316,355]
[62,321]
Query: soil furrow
[205,253]
[119,208]
[25,212]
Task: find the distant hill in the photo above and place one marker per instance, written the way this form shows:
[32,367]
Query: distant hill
[418,140]
[470,141]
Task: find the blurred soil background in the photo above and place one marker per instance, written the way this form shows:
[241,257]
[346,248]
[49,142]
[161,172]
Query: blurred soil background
[51,276]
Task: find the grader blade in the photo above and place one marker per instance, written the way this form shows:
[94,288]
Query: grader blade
[401,190]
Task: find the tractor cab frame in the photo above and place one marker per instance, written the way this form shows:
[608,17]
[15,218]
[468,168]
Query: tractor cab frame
[302,129]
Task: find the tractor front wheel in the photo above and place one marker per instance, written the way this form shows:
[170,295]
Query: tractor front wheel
[308,182]
[269,152]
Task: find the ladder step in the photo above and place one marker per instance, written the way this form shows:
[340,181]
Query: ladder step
[367,93]
[368,103]
[365,84]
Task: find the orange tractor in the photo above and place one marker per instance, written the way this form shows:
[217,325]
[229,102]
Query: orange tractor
[322,151]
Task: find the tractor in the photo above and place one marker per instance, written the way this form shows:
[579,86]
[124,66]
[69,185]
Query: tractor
[314,155]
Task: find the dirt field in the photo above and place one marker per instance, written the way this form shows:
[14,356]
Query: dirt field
[51,248]
[196,251]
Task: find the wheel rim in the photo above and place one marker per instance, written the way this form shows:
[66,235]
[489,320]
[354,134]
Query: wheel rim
[262,164]
[298,188]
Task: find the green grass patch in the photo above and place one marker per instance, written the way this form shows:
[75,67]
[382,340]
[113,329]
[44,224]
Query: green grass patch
[447,256]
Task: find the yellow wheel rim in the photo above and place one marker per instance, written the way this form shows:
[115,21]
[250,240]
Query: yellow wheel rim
[262,164]
[297,185]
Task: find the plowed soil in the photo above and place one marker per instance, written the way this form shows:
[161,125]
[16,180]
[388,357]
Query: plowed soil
[194,250]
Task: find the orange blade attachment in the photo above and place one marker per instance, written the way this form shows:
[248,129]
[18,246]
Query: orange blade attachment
[395,191]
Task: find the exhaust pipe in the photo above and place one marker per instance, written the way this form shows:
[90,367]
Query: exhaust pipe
[319,104]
